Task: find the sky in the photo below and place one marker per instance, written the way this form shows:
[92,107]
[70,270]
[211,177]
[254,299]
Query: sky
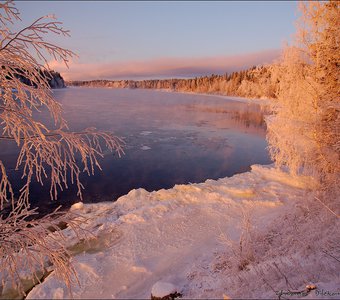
[165,39]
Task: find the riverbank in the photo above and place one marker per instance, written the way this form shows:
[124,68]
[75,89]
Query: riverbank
[264,101]
[258,234]
[261,101]
[253,235]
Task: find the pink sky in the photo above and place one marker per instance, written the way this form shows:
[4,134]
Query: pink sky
[167,67]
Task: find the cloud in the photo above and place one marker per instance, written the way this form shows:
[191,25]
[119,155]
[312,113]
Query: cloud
[167,67]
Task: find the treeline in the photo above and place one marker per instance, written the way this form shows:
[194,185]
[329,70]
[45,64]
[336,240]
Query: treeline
[255,82]
[54,79]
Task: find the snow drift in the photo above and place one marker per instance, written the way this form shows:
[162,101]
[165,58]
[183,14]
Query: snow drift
[230,237]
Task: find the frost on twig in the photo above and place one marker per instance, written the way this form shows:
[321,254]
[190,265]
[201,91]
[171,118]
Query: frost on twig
[304,132]
[55,154]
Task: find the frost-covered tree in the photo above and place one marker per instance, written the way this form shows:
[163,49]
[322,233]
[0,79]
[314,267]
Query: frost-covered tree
[45,154]
[304,132]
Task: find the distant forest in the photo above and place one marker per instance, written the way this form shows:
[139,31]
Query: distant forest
[54,79]
[256,82]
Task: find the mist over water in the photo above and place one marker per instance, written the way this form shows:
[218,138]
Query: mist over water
[171,138]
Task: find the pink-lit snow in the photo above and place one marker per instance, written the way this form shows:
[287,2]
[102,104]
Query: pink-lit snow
[237,237]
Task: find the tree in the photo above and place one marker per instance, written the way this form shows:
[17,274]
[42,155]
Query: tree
[44,153]
[304,133]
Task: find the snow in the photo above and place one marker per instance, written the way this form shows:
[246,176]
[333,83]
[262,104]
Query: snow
[241,237]
[190,236]
[77,206]
[261,101]
[161,289]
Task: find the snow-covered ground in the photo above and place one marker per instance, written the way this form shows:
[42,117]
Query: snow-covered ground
[254,235]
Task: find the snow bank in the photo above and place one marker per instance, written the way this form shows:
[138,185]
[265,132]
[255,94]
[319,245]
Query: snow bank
[210,239]
[261,101]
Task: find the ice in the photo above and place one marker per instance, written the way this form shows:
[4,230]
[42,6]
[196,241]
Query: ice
[190,236]
[262,101]
[145,132]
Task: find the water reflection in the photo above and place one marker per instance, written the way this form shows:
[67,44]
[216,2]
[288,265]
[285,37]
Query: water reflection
[171,138]
[250,115]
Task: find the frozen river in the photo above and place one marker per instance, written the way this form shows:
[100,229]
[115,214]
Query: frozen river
[171,138]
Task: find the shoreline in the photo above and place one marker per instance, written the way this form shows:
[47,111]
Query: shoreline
[264,101]
[189,236]
[243,236]
[222,97]
[260,101]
